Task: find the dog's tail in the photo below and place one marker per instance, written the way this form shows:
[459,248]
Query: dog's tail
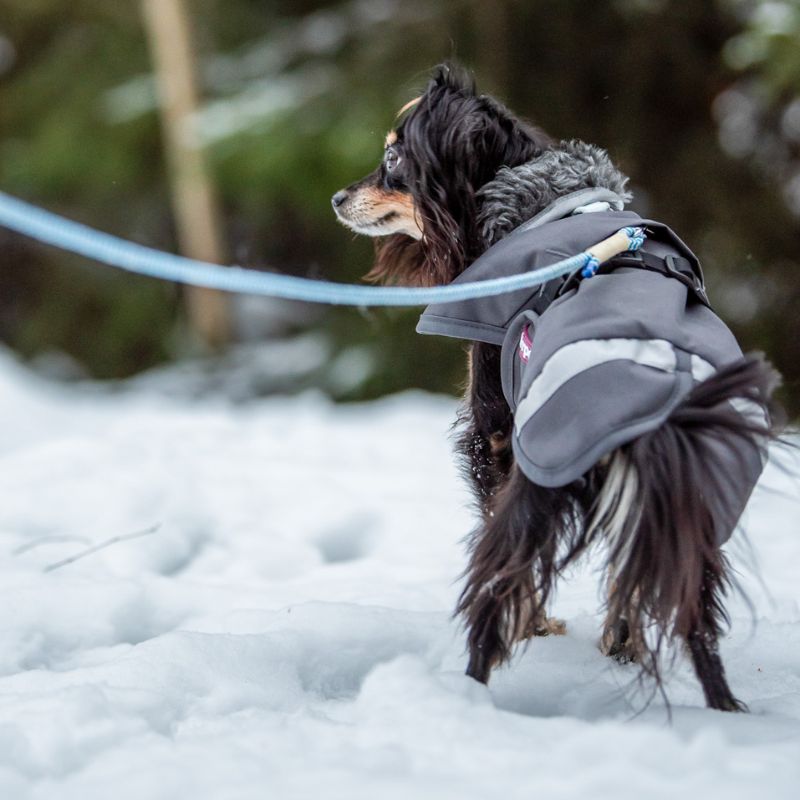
[669,499]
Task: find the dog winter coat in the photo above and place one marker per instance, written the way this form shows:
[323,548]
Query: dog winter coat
[590,364]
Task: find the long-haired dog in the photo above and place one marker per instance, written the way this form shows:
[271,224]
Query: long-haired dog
[459,175]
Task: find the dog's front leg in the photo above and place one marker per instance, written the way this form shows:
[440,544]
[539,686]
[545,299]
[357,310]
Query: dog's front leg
[511,572]
[485,440]
[500,608]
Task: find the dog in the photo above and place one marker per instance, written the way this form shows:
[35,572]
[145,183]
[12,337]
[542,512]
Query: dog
[616,409]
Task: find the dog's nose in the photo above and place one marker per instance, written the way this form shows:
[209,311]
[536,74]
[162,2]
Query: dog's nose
[339,198]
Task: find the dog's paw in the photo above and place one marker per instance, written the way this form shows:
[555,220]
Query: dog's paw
[731,704]
[547,626]
[616,643]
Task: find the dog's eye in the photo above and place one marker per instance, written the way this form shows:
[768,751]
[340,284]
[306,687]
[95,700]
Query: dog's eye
[391,159]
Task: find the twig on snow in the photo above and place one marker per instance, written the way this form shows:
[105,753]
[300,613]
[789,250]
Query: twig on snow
[125,537]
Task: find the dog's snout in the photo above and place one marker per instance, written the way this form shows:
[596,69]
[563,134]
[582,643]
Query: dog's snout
[339,198]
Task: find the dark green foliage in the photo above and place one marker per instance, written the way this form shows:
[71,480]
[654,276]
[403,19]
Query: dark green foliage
[639,78]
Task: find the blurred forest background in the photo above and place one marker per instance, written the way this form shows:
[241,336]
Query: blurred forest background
[697,100]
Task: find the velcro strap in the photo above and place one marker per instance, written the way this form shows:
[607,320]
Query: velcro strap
[672,266]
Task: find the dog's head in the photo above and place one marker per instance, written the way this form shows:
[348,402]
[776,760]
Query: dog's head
[421,199]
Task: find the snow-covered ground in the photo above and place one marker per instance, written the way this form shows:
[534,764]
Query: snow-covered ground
[285,632]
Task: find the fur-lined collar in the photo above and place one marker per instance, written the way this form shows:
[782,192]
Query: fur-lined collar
[516,195]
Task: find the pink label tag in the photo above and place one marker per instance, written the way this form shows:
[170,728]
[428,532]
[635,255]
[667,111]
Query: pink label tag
[525,344]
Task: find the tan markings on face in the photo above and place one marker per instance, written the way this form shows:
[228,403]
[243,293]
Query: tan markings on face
[391,138]
[407,106]
[377,212]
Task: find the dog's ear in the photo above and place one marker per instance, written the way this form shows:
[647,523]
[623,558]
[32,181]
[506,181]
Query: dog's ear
[500,139]
[467,134]
[453,77]
[452,91]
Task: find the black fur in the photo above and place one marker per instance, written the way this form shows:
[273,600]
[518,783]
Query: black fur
[668,574]
[444,166]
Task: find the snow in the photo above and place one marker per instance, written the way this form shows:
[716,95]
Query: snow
[285,631]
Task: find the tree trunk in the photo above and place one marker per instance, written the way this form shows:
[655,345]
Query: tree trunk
[193,199]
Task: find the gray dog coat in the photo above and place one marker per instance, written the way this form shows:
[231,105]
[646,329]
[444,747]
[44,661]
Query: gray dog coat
[590,364]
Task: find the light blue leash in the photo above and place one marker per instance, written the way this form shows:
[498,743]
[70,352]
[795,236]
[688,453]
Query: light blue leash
[54,230]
